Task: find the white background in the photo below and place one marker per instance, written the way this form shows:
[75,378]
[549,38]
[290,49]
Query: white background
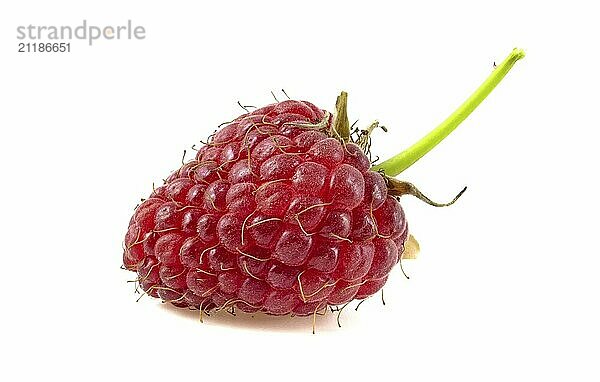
[506,286]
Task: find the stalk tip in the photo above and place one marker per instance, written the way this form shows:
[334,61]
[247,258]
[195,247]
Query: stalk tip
[518,53]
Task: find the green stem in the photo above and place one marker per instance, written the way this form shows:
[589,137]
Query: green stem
[405,159]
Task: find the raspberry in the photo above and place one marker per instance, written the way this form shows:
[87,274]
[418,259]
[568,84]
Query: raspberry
[280,212]
[262,219]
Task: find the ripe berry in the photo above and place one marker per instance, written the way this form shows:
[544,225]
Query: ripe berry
[280,213]
[267,223]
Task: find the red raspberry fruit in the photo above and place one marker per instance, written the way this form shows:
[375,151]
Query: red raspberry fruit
[273,215]
[280,213]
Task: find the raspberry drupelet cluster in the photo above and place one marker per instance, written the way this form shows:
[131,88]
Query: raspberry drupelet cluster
[275,214]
